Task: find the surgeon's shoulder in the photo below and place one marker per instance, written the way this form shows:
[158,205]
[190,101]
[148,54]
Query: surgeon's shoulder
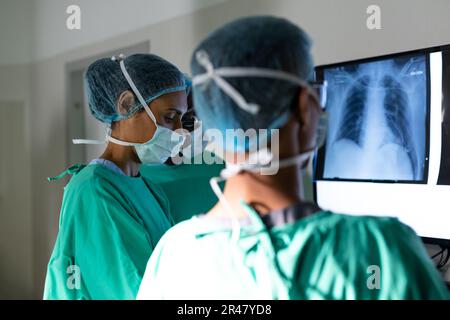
[366,232]
[91,185]
[364,240]
[183,236]
[173,246]
[185,231]
[357,224]
[90,177]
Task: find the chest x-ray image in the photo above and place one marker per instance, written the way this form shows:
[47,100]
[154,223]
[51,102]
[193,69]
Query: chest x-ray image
[378,113]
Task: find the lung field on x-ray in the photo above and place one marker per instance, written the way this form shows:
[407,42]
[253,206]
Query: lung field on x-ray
[377,113]
[355,107]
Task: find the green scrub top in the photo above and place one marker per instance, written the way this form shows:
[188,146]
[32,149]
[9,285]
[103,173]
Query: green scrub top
[186,186]
[109,225]
[321,256]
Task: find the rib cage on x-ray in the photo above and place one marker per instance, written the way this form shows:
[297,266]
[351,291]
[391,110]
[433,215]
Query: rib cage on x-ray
[378,107]
[396,106]
[351,123]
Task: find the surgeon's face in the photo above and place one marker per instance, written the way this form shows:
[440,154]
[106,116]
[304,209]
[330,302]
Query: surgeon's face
[168,111]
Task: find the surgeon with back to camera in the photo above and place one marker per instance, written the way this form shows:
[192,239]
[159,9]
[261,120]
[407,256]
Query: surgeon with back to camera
[112,217]
[262,240]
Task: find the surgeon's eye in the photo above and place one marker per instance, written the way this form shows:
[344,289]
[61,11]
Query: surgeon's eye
[171,117]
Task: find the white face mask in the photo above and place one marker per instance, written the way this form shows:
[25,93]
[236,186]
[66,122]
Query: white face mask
[164,144]
[262,158]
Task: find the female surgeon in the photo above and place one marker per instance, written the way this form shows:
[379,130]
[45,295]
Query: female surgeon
[111,216]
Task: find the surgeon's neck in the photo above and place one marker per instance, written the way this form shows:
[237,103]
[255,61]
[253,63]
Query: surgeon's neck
[265,193]
[124,157]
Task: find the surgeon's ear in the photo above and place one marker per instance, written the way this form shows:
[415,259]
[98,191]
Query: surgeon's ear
[303,109]
[307,118]
[125,102]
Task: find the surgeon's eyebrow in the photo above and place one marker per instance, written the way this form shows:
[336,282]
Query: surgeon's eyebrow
[176,110]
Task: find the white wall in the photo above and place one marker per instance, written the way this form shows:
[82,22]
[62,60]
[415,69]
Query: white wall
[14,82]
[101,19]
[16,220]
[16,262]
[339,27]
[15,31]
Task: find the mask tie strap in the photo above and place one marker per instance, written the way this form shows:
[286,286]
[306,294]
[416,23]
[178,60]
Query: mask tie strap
[217,75]
[134,88]
[203,59]
[236,226]
[88,141]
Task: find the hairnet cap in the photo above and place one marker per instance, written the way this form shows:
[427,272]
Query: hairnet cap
[105,82]
[262,42]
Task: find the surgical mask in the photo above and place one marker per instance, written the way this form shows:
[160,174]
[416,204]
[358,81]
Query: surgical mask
[164,144]
[262,158]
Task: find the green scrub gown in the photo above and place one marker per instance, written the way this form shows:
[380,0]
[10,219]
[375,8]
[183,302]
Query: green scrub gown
[186,186]
[321,256]
[109,225]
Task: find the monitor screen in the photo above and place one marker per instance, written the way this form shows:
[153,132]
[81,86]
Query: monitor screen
[387,151]
[379,111]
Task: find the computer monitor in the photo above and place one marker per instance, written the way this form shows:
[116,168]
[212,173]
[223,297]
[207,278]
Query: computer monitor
[387,151]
